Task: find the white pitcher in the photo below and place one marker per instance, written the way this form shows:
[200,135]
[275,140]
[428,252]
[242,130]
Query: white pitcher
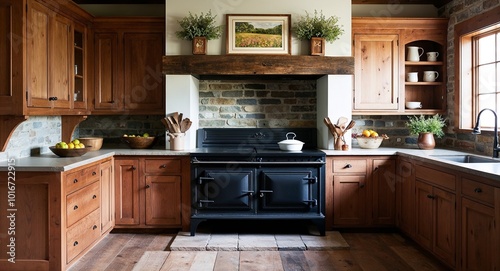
[414,53]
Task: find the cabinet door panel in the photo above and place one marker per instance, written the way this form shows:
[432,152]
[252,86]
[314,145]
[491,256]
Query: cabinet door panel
[142,71]
[163,200]
[106,68]
[60,61]
[349,200]
[424,213]
[376,71]
[406,197]
[479,248]
[107,197]
[127,192]
[444,240]
[384,192]
[38,55]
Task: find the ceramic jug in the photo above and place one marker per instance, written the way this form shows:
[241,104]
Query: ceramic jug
[414,53]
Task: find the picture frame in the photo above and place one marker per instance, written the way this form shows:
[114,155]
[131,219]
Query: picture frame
[258,34]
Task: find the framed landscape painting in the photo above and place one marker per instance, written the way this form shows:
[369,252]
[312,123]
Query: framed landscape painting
[258,34]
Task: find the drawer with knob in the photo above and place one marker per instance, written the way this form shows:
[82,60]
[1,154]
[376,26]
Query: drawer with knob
[80,178]
[349,166]
[478,191]
[82,234]
[82,202]
[162,166]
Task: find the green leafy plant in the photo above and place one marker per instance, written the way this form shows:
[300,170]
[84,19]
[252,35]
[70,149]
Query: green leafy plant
[202,25]
[422,124]
[318,26]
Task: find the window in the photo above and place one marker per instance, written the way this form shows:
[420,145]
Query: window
[477,65]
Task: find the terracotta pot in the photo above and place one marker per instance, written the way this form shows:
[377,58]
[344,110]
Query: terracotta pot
[199,46]
[426,141]
[317,46]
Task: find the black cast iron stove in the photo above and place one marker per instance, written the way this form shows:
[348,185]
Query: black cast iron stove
[240,173]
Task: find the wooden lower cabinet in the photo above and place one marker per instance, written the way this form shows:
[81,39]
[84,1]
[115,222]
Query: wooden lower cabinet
[152,192]
[405,197]
[56,216]
[360,191]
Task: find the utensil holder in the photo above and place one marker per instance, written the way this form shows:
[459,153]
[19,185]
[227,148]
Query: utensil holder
[176,141]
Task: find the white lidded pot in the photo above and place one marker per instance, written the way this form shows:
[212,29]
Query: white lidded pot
[291,144]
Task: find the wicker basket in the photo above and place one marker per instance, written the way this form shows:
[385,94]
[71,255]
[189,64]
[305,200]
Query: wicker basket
[139,142]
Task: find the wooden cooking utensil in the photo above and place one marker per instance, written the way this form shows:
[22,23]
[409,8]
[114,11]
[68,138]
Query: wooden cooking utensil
[341,122]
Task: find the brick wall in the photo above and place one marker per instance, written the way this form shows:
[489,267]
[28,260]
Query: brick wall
[458,11]
[262,103]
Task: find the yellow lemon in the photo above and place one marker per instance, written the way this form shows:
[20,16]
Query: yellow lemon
[366,133]
[373,134]
[82,145]
[71,145]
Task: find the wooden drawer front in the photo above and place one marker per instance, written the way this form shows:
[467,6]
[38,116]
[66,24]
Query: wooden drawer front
[437,177]
[82,234]
[82,202]
[349,166]
[478,191]
[162,166]
[81,178]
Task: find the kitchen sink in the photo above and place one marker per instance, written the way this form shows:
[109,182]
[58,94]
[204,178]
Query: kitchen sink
[467,158]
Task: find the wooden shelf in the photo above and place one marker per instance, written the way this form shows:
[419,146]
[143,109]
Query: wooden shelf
[205,66]
[423,83]
[423,63]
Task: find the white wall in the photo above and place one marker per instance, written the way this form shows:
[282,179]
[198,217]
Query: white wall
[177,9]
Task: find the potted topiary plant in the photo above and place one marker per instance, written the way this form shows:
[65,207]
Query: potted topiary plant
[318,29]
[426,129]
[199,29]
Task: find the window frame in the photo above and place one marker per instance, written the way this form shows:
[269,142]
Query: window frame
[464,34]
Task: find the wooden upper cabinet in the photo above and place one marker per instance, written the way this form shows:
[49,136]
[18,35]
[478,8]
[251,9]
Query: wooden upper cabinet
[106,72]
[49,58]
[380,48]
[55,62]
[144,88]
[376,71]
[128,66]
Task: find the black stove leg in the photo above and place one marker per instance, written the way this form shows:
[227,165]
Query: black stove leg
[320,224]
[194,224]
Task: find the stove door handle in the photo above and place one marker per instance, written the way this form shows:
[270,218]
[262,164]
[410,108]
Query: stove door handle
[312,202]
[205,179]
[264,191]
[249,192]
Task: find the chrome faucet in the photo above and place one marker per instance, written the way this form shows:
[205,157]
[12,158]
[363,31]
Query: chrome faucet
[477,131]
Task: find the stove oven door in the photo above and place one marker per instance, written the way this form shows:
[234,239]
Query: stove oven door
[224,190]
[288,190]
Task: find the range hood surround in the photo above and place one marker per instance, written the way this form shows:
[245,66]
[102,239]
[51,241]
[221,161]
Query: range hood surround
[221,66]
[334,77]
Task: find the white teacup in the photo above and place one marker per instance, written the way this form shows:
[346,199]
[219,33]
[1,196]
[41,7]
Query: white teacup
[432,56]
[412,77]
[430,76]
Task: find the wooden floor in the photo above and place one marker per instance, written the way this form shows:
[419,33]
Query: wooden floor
[368,251]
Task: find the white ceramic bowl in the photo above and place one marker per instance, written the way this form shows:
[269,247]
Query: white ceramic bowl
[369,142]
[413,105]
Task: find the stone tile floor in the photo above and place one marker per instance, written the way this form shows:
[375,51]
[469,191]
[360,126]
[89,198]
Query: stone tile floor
[256,242]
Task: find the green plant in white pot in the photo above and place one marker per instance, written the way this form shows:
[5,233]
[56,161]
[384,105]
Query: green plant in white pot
[426,129]
[318,29]
[199,29]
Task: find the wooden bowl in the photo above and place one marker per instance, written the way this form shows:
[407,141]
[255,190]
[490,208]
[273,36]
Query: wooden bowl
[94,143]
[369,142]
[139,142]
[69,152]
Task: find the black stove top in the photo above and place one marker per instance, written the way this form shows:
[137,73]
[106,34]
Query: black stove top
[253,144]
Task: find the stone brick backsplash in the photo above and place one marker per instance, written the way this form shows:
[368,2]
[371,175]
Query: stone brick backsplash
[264,103]
[112,128]
[34,136]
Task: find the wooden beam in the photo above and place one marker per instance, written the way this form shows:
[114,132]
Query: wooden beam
[9,124]
[68,126]
[257,65]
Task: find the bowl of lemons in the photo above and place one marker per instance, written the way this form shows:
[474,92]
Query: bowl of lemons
[370,139]
[72,149]
[144,141]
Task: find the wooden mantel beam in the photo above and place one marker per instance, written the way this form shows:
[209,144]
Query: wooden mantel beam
[255,65]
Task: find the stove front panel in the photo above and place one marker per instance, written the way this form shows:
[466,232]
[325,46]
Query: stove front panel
[224,189]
